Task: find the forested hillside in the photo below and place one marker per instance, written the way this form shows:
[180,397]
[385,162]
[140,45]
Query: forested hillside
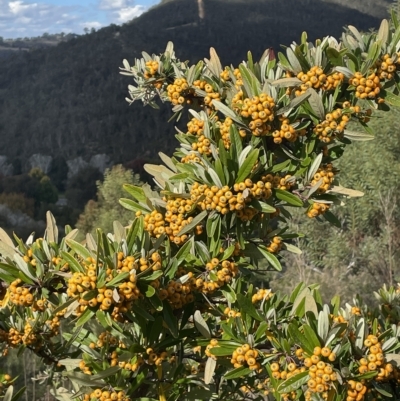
[69,100]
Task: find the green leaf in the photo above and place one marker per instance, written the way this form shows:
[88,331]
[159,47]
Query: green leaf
[311,335]
[138,310]
[24,267]
[86,315]
[226,111]
[7,250]
[9,393]
[118,279]
[316,104]
[209,370]
[74,265]
[200,217]
[323,324]
[345,191]
[4,237]
[287,82]
[236,373]
[360,334]
[292,248]
[134,206]
[104,319]
[271,258]
[246,306]
[170,320]
[51,228]
[106,373]
[358,136]
[247,166]
[331,218]
[383,32]
[79,249]
[314,167]
[83,380]
[293,383]
[293,60]
[201,325]
[150,291]
[300,338]
[288,197]
[382,391]
[168,162]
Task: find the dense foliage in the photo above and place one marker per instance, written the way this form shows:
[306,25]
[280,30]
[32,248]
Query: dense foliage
[166,307]
[72,107]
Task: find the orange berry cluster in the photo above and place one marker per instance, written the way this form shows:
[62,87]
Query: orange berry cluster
[127,263]
[338,319]
[106,339]
[211,94]
[355,391]
[375,360]
[231,313]
[238,76]
[366,87]
[225,75]
[277,181]
[225,270]
[177,91]
[173,221]
[57,260]
[80,284]
[151,69]
[28,337]
[261,111]
[355,310]
[333,126]
[178,294]
[261,295]
[327,175]
[387,66]
[213,343]
[105,395]
[286,131]
[317,79]
[275,245]
[245,355]
[317,209]
[84,368]
[133,365]
[202,146]
[224,200]
[155,359]
[321,373]
[28,257]
[224,129]
[191,157]
[20,295]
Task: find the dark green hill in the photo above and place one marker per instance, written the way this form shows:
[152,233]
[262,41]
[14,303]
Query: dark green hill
[69,100]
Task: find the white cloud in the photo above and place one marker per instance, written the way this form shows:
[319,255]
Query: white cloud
[128,13]
[120,11]
[113,4]
[20,18]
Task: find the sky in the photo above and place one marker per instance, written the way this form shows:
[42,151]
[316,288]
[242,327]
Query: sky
[28,18]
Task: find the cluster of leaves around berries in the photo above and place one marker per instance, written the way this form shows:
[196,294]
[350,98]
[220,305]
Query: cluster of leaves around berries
[165,308]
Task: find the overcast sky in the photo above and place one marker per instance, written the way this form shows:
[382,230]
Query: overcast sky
[21,18]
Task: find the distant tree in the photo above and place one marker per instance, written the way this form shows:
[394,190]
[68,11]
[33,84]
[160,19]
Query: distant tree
[82,187]
[59,172]
[107,208]
[47,191]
